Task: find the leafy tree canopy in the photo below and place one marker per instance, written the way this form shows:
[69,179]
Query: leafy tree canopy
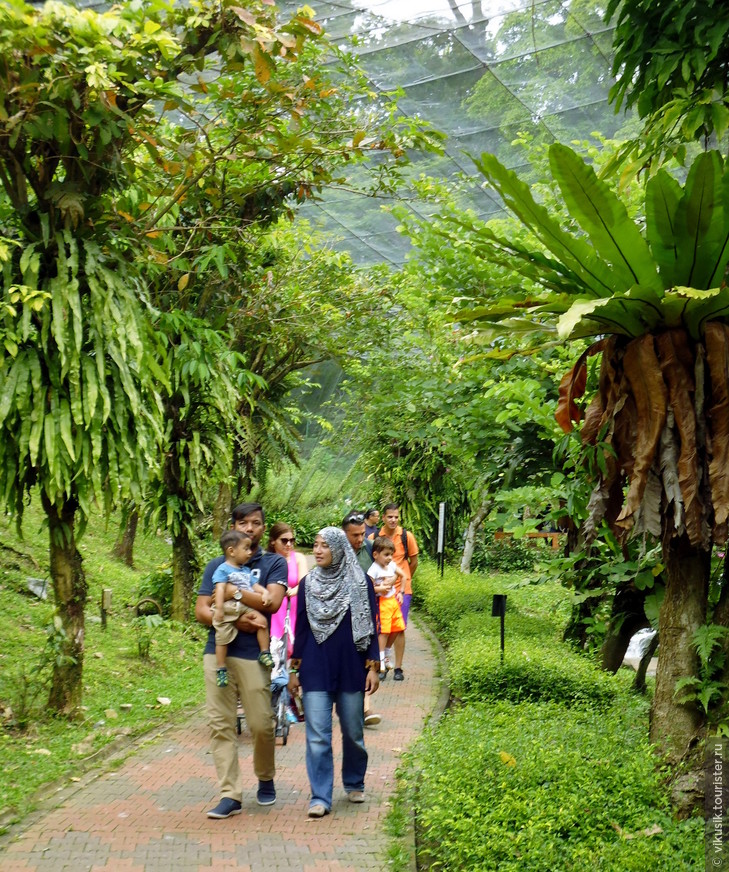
[671,64]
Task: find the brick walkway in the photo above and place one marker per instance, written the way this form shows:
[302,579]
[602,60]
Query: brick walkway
[149,814]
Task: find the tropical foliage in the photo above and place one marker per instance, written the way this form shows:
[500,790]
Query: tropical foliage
[655,293]
[436,418]
[671,64]
[133,143]
[668,282]
[571,781]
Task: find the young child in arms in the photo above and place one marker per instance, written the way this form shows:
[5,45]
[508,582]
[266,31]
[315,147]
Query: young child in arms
[229,579]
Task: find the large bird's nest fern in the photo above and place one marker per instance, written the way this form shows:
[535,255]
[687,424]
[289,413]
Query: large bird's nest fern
[655,294]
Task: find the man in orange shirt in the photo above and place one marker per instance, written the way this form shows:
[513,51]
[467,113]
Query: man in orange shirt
[408,562]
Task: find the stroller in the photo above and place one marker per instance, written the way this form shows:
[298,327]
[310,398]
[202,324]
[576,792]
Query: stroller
[279,682]
[280,697]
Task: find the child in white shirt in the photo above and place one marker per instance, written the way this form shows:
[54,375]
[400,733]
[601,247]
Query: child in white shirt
[387,579]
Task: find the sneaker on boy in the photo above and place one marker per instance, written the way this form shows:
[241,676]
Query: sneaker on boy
[265,658]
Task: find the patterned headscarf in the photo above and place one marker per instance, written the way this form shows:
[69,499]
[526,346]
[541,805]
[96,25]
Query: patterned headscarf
[331,590]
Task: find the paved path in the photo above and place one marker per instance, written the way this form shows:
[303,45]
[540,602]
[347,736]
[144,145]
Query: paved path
[149,814]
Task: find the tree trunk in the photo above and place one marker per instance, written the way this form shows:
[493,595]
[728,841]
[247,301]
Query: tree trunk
[124,546]
[221,510]
[639,685]
[576,631]
[70,590]
[627,616]
[184,576]
[673,725]
[473,527]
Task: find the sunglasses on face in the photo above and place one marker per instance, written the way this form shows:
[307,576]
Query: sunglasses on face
[284,541]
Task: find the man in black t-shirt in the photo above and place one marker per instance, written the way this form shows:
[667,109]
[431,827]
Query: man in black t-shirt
[247,678]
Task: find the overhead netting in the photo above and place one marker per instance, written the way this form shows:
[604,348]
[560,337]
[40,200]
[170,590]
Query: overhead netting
[484,73]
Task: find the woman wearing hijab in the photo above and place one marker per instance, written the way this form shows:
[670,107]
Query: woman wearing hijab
[335,662]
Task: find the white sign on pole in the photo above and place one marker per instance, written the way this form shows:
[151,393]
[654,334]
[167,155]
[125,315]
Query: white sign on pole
[441,527]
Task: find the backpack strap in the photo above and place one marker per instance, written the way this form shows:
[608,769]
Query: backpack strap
[405,543]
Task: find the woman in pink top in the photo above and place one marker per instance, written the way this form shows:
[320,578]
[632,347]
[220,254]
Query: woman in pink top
[281,541]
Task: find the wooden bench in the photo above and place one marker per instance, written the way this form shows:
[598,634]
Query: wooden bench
[500,536]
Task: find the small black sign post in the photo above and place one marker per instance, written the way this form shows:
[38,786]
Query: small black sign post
[498,610]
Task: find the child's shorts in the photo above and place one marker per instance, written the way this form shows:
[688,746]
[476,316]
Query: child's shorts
[391,619]
[225,628]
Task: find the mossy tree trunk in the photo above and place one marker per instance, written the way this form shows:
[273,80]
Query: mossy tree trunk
[639,682]
[221,510]
[474,525]
[124,545]
[184,576]
[674,725]
[70,590]
[627,616]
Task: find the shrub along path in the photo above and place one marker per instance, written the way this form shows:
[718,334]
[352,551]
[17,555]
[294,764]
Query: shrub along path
[149,814]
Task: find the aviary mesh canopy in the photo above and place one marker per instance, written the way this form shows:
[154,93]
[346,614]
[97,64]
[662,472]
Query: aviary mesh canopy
[481,72]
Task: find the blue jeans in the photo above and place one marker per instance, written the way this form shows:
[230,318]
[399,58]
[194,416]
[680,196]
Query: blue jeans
[319,756]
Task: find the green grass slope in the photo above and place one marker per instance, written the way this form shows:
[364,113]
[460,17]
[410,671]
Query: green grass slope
[36,748]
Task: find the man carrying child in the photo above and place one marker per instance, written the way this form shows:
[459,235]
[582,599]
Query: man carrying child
[230,579]
[247,678]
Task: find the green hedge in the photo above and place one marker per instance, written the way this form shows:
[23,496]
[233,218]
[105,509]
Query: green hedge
[541,787]
[446,600]
[530,671]
[518,625]
[508,555]
[537,666]
[544,763]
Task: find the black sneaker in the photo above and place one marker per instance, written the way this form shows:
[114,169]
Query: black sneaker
[266,793]
[226,808]
[398,676]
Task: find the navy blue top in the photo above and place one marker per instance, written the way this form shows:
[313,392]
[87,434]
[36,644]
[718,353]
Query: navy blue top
[335,665]
[266,568]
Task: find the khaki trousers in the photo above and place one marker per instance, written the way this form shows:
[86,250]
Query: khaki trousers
[252,682]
